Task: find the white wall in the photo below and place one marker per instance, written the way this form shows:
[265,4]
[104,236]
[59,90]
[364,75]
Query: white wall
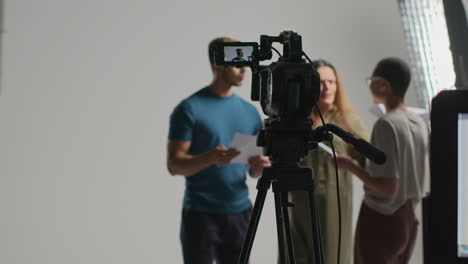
[87,90]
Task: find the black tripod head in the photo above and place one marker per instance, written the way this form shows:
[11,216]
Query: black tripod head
[288,142]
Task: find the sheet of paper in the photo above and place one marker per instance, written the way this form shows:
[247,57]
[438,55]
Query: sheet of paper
[247,146]
[326,148]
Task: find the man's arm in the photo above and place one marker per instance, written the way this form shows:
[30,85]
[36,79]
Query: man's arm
[386,187]
[179,162]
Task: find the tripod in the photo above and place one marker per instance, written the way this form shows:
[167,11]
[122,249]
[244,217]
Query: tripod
[286,144]
[284,180]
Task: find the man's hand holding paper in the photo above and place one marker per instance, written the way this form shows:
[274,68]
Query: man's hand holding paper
[250,153]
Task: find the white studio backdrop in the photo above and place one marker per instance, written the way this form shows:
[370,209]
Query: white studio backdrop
[87,90]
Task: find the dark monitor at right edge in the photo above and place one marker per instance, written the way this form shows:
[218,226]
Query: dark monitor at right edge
[446,236]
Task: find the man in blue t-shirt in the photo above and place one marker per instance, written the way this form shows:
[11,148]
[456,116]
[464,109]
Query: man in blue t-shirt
[216,208]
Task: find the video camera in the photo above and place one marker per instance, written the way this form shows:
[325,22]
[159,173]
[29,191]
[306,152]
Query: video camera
[287,89]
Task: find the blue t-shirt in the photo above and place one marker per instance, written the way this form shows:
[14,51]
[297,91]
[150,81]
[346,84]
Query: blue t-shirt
[208,121]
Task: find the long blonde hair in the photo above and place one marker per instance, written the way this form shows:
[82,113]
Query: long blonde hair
[341,100]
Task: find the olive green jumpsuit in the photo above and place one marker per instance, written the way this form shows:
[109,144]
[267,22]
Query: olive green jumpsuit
[325,192]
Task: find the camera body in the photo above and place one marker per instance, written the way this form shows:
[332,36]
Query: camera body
[287,89]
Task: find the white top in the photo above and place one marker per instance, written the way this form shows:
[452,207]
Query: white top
[403,136]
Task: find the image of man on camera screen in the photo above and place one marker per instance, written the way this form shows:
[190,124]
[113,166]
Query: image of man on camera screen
[240,55]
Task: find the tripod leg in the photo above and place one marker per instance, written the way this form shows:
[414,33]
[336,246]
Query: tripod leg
[316,235]
[263,186]
[280,227]
[287,227]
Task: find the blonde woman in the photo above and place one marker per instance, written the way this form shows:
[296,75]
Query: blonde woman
[336,109]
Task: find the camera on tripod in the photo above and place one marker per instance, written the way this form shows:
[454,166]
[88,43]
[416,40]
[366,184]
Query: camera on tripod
[288,88]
